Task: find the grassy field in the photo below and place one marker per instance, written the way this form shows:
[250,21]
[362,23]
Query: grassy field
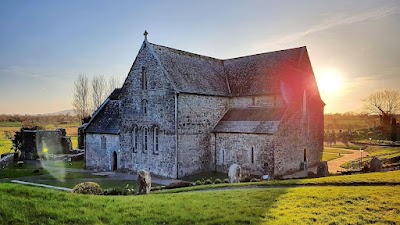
[300,205]
[329,156]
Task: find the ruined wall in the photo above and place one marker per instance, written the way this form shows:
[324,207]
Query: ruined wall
[197,116]
[160,97]
[98,158]
[253,152]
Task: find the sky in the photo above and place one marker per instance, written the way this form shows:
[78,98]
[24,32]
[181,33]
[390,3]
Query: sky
[44,45]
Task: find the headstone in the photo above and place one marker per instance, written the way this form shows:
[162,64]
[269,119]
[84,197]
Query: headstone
[144,182]
[265,177]
[322,169]
[234,173]
[376,165]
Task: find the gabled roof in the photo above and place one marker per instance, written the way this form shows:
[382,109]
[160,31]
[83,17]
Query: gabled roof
[286,72]
[259,120]
[192,73]
[106,119]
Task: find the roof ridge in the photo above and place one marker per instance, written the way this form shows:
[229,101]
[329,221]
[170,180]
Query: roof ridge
[186,52]
[264,53]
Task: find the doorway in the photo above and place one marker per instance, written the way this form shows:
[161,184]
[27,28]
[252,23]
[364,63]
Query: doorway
[115,165]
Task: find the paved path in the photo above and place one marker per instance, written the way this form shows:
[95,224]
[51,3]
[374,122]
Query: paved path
[334,165]
[41,185]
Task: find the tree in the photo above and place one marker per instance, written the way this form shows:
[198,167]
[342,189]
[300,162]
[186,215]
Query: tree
[98,91]
[81,96]
[387,101]
[113,83]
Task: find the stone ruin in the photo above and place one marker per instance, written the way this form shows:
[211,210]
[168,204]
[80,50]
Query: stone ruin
[234,173]
[144,182]
[39,143]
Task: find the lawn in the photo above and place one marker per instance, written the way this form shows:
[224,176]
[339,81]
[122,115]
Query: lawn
[329,156]
[337,150]
[14,171]
[300,205]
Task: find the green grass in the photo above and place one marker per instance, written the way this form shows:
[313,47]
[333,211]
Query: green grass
[10,124]
[14,171]
[329,156]
[63,164]
[5,146]
[337,150]
[302,205]
[74,140]
[204,176]
[379,178]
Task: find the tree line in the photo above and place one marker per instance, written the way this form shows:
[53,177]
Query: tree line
[89,94]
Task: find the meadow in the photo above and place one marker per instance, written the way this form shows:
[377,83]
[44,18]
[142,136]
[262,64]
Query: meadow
[331,204]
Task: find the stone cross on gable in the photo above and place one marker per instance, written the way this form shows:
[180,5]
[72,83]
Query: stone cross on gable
[145,34]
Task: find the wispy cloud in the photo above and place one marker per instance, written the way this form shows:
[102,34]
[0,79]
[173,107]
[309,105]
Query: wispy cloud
[337,21]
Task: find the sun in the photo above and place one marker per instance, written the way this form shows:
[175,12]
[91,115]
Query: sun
[329,81]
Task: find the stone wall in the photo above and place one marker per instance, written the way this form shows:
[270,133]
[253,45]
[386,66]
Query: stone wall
[264,101]
[6,161]
[253,152]
[298,137]
[102,159]
[160,98]
[197,116]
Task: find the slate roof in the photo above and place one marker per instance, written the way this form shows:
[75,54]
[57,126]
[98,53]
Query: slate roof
[286,72]
[107,120]
[259,120]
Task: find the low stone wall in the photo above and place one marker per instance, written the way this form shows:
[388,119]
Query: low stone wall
[6,160]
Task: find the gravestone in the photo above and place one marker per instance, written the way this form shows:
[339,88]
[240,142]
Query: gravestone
[144,182]
[376,165]
[234,173]
[322,169]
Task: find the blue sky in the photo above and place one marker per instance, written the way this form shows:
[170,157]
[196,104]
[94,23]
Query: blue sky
[44,45]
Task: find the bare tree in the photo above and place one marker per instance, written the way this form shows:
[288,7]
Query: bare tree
[386,100]
[113,83]
[81,96]
[98,91]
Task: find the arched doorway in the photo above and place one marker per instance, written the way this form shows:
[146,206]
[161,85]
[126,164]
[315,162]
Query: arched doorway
[115,165]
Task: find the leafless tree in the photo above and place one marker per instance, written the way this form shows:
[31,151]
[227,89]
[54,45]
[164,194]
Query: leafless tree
[386,100]
[98,91]
[81,96]
[113,82]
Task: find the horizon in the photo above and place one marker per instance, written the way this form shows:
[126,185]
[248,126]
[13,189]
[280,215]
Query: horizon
[352,44]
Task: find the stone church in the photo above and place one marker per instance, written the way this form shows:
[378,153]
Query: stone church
[180,113]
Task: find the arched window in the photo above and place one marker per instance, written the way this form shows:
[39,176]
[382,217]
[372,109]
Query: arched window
[144,78]
[252,154]
[135,137]
[155,140]
[144,107]
[145,138]
[103,142]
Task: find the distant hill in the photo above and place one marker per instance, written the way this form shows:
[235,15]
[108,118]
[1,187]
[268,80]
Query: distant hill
[64,112]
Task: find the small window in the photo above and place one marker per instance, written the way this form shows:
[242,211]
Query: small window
[145,136]
[155,140]
[103,142]
[223,155]
[144,107]
[135,136]
[252,154]
[144,78]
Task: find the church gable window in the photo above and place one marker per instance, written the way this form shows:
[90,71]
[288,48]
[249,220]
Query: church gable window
[144,78]
[144,107]
[252,154]
[103,143]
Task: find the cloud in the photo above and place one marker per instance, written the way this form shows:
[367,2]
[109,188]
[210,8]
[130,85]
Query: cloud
[19,71]
[337,21]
